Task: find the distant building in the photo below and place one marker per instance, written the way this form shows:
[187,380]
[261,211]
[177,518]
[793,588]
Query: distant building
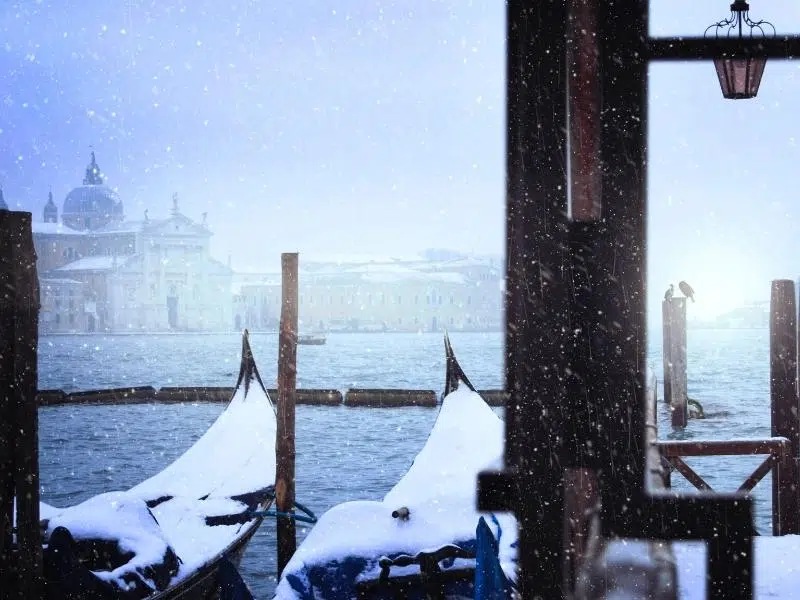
[100,272]
[461,294]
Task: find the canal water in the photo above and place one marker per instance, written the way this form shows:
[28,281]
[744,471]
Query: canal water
[342,453]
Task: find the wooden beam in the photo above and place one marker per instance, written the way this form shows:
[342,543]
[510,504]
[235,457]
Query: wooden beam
[785,410]
[583,59]
[20,323]
[722,447]
[620,255]
[8,417]
[287,383]
[537,298]
[690,474]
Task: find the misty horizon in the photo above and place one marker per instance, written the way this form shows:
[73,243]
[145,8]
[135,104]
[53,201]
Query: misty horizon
[349,128]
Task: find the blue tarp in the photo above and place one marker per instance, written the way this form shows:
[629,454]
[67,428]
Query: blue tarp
[491,582]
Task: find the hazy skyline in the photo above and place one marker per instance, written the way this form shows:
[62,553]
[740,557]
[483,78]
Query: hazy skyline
[312,126]
[370,128]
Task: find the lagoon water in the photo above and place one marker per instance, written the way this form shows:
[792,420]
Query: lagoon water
[342,453]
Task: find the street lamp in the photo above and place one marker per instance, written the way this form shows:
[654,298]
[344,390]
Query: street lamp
[739,78]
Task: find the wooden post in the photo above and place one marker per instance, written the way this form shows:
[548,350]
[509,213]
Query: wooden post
[581,516]
[7,416]
[583,58]
[675,378]
[287,382]
[784,405]
[666,345]
[20,574]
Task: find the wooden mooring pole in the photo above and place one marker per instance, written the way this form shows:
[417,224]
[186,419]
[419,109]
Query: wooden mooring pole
[675,378]
[784,405]
[20,571]
[666,341]
[287,382]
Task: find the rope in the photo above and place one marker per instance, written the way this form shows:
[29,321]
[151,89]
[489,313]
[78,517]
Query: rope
[306,517]
[698,407]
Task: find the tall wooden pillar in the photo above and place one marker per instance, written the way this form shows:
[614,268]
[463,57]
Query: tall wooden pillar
[20,572]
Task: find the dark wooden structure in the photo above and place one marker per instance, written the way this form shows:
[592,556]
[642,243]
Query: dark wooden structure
[357,397]
[782,450]
[785,408]
[20,568]
[390,398]
[287,383]
[575,308]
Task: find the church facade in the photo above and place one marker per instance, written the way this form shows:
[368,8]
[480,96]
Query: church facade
[100,272]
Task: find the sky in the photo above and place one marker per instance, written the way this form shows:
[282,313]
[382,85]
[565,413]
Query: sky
[363,127]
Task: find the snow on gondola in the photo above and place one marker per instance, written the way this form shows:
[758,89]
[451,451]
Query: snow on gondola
[425,538]
[182,532]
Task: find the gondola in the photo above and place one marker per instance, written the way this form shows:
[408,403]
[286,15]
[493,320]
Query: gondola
[181,533]
[425,539]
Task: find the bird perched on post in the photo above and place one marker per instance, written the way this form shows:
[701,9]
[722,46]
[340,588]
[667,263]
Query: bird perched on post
[669,292]
[687,290]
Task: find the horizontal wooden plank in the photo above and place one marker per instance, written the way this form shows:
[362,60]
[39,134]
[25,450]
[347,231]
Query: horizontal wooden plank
[723,447]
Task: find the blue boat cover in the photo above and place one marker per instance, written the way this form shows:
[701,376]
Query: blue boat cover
[491,582]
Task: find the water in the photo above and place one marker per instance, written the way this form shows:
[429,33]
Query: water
[342,454]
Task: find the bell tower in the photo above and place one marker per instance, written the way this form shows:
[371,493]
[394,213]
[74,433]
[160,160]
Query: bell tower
[50,209]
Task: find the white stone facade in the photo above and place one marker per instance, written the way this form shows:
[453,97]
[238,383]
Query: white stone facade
[383,295]
[101,273]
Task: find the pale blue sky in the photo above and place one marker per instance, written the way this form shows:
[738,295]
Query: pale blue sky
[356,126]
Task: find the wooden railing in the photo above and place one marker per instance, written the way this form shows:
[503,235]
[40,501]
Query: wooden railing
[777,449]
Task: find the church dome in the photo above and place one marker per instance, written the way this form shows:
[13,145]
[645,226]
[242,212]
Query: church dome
[92,204]
[91,199]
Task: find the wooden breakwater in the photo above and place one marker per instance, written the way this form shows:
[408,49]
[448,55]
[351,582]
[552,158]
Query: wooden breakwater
[356,397]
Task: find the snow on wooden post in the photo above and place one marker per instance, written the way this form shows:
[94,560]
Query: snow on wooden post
[784,405]
[287,382]
[675,373]
[20,572]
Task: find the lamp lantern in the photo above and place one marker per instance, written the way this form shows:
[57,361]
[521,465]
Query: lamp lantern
[740,78]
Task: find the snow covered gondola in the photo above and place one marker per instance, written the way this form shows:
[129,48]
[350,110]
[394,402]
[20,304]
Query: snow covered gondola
[181,533]
[425,539]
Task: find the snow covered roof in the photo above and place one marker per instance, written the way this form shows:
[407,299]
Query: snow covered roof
[357,259]
[91,263]
[53,229]
[46,281]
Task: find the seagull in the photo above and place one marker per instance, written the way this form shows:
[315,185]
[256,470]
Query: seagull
[669,292]
[687,290]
